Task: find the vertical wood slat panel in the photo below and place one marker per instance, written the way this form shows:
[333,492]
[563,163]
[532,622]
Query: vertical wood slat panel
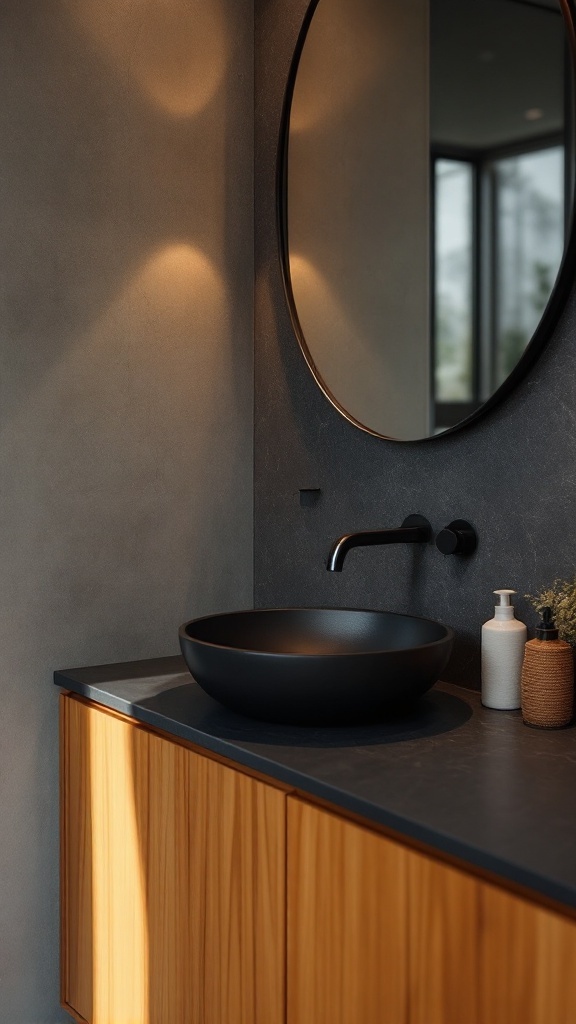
[527,962]
[444,942]
[184,863]
[481,955]
[104,920]
[347,922]
[170,816]
[245,900]
[76,861]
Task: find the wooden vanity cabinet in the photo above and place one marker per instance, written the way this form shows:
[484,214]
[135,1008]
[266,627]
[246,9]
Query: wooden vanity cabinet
[193,893]
[382,934]
[173,880]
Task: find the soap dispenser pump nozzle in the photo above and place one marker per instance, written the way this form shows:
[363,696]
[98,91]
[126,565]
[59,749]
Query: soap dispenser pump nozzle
[546,629]
[504,608]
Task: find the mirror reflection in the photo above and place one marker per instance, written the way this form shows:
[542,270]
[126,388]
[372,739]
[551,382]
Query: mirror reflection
[428,195]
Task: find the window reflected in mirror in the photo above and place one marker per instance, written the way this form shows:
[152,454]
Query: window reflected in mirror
[529,240]
[499,226]
[452,275]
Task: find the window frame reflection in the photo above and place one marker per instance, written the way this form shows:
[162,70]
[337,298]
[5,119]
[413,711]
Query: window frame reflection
[485,231]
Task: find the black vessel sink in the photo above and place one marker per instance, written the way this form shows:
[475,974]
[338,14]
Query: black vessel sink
[315,665]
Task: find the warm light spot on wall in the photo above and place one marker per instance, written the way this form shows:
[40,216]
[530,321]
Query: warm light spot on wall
[177,280]
[344,52]
[176,51]
[169,315]
[352,361]
[161,333]
[336,347]
[159,356]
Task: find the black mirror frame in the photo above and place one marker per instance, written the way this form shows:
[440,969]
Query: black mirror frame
[554,307]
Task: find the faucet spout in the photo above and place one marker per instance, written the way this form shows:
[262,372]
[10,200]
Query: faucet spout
[414,530]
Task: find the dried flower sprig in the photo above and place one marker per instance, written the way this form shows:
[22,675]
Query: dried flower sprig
[561,598]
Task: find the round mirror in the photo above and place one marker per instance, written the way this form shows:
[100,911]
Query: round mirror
[426,202]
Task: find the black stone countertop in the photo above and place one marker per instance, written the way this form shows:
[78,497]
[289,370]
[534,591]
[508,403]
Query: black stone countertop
[473,783]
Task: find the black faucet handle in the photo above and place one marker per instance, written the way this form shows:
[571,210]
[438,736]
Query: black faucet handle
[458,538]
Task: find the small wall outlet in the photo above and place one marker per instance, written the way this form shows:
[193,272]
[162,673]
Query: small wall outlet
[309,496]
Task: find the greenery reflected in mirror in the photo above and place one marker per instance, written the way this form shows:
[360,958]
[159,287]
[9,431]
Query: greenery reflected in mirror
[428,191]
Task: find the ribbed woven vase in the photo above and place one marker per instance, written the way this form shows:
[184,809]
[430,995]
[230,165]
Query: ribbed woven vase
[548,684]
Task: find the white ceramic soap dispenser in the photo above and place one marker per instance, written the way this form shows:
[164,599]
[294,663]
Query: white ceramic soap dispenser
[503,640]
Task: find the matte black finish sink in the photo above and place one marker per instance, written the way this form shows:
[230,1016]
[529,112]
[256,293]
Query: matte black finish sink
[312,666]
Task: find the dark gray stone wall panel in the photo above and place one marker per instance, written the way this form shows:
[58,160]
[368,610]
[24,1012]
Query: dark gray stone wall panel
[512,474]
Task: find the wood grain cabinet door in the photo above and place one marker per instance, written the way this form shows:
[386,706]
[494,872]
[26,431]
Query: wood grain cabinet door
[173,880]
[381,934]
[377,933]
[347,922]
[527,962]
[481,955]
[444,942]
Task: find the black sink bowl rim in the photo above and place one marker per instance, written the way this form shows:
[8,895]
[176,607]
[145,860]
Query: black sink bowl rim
[315,665]
[185,630]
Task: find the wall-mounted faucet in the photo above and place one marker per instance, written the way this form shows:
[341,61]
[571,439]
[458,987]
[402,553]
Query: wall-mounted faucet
[414,530]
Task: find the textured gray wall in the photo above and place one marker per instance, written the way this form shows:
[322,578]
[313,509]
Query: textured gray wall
[125,382]
[513,475]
